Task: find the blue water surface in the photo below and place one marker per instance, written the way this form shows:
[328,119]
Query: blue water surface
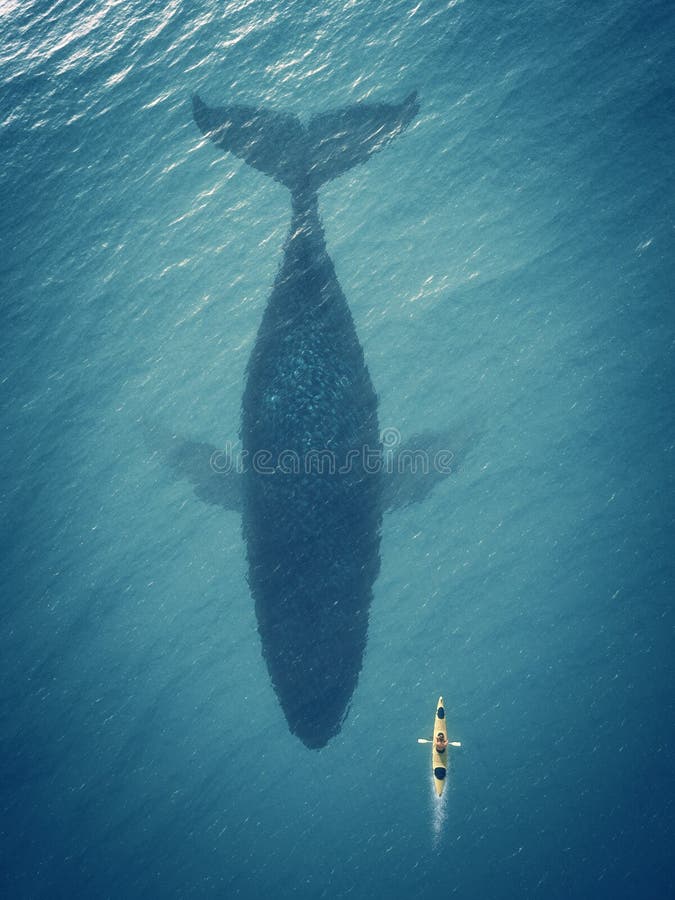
[509,263]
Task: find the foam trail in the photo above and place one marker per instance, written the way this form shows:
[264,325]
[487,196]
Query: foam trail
[439,811]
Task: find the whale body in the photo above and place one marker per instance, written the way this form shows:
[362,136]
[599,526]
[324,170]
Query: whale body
[311,491]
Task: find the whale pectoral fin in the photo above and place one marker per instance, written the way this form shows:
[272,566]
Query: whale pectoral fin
[414,469]
[272,142]
[344,138]
[210,471]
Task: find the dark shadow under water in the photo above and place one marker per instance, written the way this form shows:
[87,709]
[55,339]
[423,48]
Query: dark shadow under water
[312,491]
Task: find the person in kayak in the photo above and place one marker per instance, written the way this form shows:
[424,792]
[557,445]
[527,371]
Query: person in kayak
[441,742]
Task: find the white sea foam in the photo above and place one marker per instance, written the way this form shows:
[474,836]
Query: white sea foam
[439,812]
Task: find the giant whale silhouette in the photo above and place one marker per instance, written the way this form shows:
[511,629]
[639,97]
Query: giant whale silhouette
[312,529]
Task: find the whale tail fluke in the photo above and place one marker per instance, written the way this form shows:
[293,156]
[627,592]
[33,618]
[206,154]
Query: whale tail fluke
[344,138]
[304,157]
[271,142]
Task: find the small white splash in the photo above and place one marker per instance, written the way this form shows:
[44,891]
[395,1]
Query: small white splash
[8,6]
[439,811]
[117,77]
[160,98]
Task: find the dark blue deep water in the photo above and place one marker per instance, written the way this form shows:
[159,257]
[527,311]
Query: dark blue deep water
[509,263]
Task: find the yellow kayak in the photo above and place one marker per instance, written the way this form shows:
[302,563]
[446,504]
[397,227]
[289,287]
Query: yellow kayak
[439,760]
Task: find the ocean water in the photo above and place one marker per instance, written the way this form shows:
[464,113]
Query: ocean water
[509,263]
